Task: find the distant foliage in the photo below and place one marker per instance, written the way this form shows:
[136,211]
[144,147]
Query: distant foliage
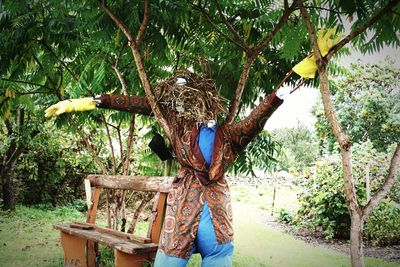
[367,101]
[323,204]
[300,148]
[53,169]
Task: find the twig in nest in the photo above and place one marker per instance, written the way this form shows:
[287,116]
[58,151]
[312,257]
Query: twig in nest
[197,100]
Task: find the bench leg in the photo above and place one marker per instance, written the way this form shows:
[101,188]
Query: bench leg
[74,250]
[92,251]
[124,260]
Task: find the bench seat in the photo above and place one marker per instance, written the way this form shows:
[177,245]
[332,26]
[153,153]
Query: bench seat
[116,242]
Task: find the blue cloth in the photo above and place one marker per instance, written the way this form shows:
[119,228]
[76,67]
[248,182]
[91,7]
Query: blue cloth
[212,253]
[205,139]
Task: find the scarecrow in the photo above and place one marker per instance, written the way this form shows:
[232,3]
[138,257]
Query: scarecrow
[198,217]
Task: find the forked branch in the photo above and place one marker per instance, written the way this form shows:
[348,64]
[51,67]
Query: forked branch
[134,44]
[230,28]
[389,182]
[214,24]
[117,21]
[252,55]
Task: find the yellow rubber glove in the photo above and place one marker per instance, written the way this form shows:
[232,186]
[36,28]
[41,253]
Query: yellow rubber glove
[308,66]
[70,105]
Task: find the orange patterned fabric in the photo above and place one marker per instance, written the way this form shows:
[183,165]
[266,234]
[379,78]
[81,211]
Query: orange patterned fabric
[196,183]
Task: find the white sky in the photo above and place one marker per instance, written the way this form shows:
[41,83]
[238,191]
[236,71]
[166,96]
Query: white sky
[296,108]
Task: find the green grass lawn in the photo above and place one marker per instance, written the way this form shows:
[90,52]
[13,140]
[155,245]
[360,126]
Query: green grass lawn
[28,239]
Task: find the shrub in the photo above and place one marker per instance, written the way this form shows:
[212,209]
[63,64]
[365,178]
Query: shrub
[285,217]
[52,170]
[323,204]
[383,225]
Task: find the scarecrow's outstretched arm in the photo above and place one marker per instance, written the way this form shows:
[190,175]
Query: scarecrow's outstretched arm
[243,132]
[134,104]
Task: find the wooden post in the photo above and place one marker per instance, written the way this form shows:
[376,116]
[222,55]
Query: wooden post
[157,217]
[92,247]
[273,195]
[129,260]
[74,250]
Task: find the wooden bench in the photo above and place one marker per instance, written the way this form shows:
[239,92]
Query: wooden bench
[80,239]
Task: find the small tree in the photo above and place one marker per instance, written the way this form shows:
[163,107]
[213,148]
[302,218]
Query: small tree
[358,213]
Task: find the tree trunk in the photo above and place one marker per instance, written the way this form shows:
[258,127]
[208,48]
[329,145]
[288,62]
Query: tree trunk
[8,187]
[356,242]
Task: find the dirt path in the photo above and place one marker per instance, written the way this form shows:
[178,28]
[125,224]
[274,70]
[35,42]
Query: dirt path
[387,253]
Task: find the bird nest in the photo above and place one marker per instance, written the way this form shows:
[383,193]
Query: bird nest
[193,99]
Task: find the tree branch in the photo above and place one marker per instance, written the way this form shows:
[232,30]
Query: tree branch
[26,82]
[353,34]
[125,166]
[283,80]
[149,92]
[326,9]
[9,126]
[341,137]
[234,106]
[237,36]
[389,182]
[143,26]
[14,156]
[120,78]
[88,144]
[267,39]
[141,71]
[46,74]
[114,166]
[139,209]
[60,60]
[298,86]
[213,23]
[117,21]
[118,129]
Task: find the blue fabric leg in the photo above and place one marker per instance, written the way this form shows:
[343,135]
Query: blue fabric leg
[213,254]
[163,260]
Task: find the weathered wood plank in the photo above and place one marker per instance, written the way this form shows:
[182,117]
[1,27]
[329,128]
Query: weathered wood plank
[92,247]
[157,219]
[118,243]
[89,226]
[137,182]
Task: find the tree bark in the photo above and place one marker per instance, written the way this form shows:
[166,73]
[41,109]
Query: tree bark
[7,166]
[356,240]
[8,187]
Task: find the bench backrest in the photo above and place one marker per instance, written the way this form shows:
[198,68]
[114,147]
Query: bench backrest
[158,184]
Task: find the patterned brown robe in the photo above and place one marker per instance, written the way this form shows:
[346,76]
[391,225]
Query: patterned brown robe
[195,182]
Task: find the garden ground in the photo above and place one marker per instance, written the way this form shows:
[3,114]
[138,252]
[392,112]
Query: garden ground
[28,239]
